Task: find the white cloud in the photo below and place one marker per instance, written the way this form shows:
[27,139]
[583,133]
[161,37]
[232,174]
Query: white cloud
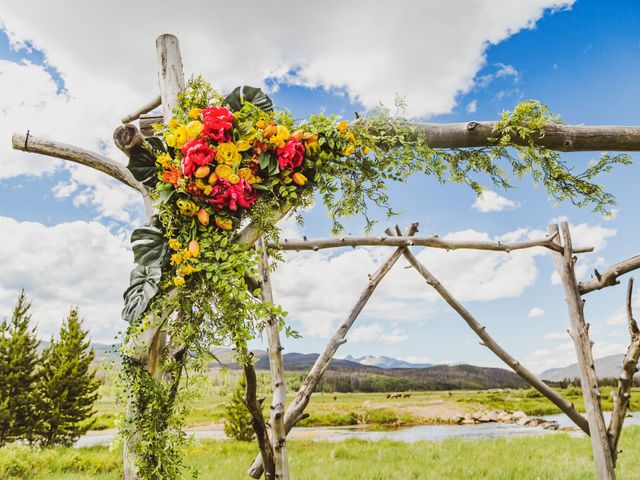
[71,264]
[490,201]
[472,106]
[375,333]
[507,71]
[556,336]
[536,312]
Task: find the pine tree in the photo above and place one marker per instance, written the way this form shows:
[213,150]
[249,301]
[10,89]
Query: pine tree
[68,386]
[237,419]
[18,375]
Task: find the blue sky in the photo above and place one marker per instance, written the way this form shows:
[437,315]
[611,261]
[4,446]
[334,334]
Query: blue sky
[581,61]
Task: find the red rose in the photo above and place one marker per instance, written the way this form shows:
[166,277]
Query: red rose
[196,154]
[227,195]
[218,123]
[290,156]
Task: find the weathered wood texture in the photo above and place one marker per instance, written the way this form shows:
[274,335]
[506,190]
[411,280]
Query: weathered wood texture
[147,107]
[278,381]
[316,244]
[492,345]
[97,161]
[565,138]
[257,420]
[170,73]
[579,331]
[610,276]
[629,363]
[300,402]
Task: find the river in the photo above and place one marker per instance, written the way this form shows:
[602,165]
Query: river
[404,434]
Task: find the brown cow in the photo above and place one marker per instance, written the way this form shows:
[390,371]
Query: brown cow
[407,395]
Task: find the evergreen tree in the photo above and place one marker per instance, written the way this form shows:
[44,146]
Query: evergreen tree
[68,386]
[18,375]
[237,419]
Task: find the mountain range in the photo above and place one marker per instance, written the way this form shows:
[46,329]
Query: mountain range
[606,367]
[386,362]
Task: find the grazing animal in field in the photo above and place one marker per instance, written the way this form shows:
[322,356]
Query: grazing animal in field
[407,395]
[335,396]
[388,395]
[395,395]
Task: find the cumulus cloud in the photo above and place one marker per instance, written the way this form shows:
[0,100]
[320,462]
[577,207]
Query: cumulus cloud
[375,333]
[71,264]
[472,106]
[490,201]
[536,312]
[555,336]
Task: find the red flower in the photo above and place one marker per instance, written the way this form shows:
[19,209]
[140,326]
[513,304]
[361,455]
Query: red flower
[218,123]
[196,154]
[171,176]
[231,196]
[290,156]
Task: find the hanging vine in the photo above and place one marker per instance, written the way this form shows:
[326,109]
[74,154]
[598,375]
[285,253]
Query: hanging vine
[222,162]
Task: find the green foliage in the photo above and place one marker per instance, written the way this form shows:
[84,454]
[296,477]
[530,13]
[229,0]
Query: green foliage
[18,375]
[67,386]
[236,99]
[237,418]
[142,164]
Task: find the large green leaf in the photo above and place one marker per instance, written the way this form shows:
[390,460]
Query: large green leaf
[242,94]
[157,145]
[142,164]
[149,244]
[143,287]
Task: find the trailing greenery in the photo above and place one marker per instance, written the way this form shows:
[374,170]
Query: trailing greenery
[223,162]
[19,375]
[67,386]
[237,418]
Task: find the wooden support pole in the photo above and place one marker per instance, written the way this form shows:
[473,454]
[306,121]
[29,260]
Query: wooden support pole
[625,381]
[492,345]
[300,402]
[276,365]
[610,275]
[579,332]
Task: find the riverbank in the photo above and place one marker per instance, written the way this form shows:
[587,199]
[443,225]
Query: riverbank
[557,457]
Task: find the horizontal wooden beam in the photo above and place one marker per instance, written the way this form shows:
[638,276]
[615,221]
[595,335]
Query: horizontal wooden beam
[610,276]
[52,148]
[316,244]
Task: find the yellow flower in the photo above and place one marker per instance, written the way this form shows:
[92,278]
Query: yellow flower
[186,270]
[176,259]
[165,160]
[242,145]
[233,179]
[187,207]
[171,140]
[283,132]
[248,176]
[186,254]
[174,244]
[299,179]
[194,129]
[223,171]
[224,223]
[182,136]
[365,149]
[261,124]
[228,154]
[195,113]
[349,150]
[277,141]
[173,123]
[351,137]
[178,281]
[342,127]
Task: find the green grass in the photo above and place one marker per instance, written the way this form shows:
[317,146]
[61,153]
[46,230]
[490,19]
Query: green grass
[557,457]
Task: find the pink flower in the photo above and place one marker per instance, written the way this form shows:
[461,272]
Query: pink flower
[290,156]
[218,123]
[228,195]
[196,154]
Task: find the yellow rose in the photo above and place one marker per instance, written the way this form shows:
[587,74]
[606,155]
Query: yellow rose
[283,132]
[182,136]
[233,179]
[228,154]
[245,173]
[194,129]
[173,123]
[178,281]
[195,113]
[342,127]
[277,141]
[243,145]
[223,171]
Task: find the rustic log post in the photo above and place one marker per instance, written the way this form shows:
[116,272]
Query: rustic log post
[171,81]
[625,381]
[295,410]
[492,345]
[276,365]
[565,262]
[610,275]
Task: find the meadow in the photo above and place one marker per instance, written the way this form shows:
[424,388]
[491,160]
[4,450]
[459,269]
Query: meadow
[557,457]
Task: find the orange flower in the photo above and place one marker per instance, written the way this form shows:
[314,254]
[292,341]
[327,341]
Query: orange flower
[299,179]
[172,175]
[202,172]
[270,131]
[203,217]
[194,248]
[224,223]
[213,178]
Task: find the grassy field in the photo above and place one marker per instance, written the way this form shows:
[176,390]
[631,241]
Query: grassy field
[546,457]
[372,408]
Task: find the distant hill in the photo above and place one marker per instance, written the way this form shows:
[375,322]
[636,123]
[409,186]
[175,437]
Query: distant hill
[606,367]
[386,362]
